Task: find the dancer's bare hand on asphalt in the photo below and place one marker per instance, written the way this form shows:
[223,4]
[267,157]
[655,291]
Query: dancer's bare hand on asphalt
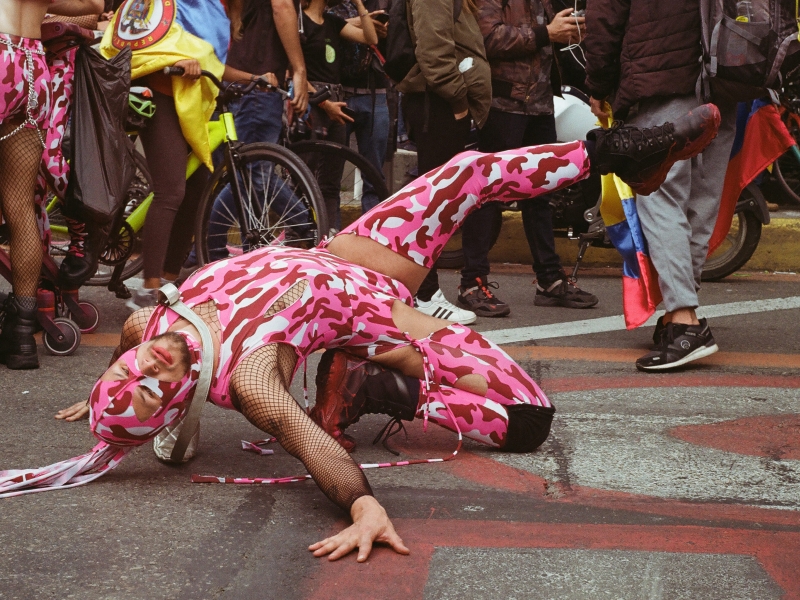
[370,524]
[76,412]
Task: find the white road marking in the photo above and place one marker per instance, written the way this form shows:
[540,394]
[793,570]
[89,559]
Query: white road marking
[617,322]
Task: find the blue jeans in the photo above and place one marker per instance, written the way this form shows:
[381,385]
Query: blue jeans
[258,117]
[372,135]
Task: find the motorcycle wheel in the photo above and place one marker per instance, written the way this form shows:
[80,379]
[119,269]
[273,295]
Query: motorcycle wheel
[739,245]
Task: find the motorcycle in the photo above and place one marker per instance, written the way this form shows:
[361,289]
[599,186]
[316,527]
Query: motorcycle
[576,209]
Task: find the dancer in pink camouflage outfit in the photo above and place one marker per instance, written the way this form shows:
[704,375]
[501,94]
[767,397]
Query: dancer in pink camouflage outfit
[270,309]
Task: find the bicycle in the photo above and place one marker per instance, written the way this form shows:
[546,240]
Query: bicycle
[359,177]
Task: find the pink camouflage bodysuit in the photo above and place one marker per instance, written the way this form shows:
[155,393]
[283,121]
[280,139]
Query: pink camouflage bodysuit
[341,305]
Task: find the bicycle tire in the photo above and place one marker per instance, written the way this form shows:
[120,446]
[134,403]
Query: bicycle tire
[740,244]
[356,170]
[140,188]
[219,232]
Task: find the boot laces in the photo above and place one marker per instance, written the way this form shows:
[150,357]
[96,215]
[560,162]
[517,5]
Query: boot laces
[77,237]
[392,427]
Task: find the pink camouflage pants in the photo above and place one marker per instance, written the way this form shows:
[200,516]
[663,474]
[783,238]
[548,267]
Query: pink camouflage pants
[52,77]
[417,222]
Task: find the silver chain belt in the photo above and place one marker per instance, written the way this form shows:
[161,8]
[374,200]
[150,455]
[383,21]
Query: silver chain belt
[33,101]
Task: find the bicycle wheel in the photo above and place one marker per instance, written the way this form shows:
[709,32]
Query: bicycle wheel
[140,188]
[737,248]
[281,204]
[360,178]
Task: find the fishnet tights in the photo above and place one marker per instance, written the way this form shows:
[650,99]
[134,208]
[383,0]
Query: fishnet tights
[132,332]
[259,389]
[288,298]
[260,383]
[20,156]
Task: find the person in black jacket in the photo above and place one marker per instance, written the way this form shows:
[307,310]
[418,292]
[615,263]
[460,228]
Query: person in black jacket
[644,58]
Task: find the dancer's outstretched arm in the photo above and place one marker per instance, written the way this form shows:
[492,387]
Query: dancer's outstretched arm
[260,385]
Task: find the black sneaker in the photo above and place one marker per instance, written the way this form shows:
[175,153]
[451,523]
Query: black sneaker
[563,292]
[658,332]
[642,156]
[679,345]
[480,299]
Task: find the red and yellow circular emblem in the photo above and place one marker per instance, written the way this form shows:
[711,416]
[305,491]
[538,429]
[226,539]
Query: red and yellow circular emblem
[142,23]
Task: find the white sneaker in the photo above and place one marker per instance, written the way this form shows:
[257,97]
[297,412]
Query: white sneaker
[440,308]
[141,298]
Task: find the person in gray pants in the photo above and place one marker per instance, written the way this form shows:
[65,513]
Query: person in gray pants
[644,58]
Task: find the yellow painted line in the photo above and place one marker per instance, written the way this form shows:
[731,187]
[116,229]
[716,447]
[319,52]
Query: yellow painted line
[627,355]
[612,355]
[98,340]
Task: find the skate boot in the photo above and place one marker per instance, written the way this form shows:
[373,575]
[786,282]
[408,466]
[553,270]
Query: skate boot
[643,156]
[17,344]
[348,387]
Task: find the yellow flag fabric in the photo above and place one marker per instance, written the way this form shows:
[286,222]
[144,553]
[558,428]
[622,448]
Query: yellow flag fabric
[194,100]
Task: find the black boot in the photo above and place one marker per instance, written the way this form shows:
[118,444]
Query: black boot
[348,387]
[6,326]
[643,156]
[17,344]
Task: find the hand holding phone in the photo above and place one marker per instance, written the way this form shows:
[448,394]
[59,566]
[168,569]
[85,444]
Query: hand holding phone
[381,17]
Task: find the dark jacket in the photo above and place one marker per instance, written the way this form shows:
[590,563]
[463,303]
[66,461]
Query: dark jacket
[639,49]
[520,55]
[451,61]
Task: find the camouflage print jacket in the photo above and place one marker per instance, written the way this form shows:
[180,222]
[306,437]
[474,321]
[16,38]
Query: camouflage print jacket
[524,70]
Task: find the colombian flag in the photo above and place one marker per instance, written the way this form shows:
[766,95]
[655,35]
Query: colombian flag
[162,32]
[640,292]
[761,137]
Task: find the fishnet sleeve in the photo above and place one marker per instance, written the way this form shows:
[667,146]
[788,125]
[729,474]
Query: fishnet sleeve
[260,384]
[132,331]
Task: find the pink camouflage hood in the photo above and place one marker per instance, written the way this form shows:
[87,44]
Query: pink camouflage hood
[115,424]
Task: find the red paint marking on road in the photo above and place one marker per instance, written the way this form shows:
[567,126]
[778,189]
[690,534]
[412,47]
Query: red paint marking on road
[405,577]
[507,478]
[651,380]
[775,436]
[386,575]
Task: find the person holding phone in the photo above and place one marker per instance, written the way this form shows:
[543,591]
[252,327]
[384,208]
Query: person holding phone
[450,85]
[321,38]
[365,91]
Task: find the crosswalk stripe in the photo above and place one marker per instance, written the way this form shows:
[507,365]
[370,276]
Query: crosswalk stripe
[617,322]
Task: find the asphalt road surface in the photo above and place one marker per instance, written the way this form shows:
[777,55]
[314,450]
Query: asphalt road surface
[679,485]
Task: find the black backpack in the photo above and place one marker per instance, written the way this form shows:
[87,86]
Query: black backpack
[400,57]
[745,59]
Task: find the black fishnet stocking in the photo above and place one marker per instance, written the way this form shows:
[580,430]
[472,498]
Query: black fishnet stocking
[20,156]
[132,331]
[260,383]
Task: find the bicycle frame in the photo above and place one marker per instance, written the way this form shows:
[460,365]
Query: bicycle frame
[220,131]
